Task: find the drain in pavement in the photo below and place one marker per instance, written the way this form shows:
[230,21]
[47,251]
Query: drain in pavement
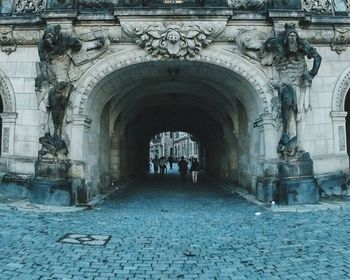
[85,239]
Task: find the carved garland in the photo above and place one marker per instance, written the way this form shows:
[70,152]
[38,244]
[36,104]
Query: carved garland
[93,81]
[166,41]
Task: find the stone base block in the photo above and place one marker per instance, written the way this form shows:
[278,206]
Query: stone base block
[48,168]
[52,192]
[266,189]
[296,191]
[332,184]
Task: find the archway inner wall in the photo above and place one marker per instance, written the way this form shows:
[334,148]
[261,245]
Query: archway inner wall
[94,91]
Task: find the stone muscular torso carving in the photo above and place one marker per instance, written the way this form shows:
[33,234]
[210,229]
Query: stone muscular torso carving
[293,80]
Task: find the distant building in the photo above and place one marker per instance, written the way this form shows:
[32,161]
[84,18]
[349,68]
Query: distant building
[177,144]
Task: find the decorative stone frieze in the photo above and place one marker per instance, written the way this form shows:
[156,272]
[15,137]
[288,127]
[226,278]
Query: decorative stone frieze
[317,6]
[30,6]
[174,40]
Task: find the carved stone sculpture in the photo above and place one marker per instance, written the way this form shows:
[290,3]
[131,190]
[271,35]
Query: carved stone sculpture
[293,80]
[27,6]
[250,43]
[7,42]
[166,41]
[317,6]
[53,83]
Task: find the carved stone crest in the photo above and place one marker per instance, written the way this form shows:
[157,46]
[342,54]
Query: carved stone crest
[166,41]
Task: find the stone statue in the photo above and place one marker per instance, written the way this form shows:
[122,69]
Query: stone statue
[293,80]
[53,86]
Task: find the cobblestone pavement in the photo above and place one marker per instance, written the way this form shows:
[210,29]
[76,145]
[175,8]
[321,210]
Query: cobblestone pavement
[162,229]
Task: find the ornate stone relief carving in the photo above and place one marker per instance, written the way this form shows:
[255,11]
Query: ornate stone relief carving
[7,42]
[317,6]
[340,40]
[28,6]
[9,105]
[246,4]
[6,139]
[166,41]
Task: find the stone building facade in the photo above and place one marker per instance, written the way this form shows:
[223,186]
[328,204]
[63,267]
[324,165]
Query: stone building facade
[176,144]
[80,82]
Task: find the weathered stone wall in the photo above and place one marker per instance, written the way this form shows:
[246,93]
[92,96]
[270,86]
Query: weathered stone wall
[232,46]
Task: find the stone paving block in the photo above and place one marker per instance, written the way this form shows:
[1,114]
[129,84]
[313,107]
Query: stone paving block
[228,240]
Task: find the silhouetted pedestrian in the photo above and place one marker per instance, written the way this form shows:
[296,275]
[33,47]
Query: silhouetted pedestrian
[194,170]
[155,164]
[183,168]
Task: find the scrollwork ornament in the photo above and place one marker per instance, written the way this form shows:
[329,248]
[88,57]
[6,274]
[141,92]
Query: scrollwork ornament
[167,41]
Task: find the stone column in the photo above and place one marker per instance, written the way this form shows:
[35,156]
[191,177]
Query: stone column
[8,133]
[339,132]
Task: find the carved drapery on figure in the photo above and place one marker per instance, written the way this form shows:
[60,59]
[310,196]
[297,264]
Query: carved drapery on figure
[166,41]
[293,80]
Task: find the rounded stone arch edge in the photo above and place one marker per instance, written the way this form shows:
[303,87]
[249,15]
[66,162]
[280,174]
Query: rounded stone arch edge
[7,94]
[253,75]
[341,89]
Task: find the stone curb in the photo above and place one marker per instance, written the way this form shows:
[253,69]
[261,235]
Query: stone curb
[321,206]
[24,205]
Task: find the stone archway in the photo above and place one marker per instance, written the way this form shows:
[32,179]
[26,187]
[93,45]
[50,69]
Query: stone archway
[340,111]
[240,97]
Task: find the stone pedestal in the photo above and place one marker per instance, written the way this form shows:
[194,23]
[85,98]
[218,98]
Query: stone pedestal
[49,168]
[297,184]
[51,191]
[52,184]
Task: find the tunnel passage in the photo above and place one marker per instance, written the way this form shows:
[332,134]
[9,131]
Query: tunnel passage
[131,105]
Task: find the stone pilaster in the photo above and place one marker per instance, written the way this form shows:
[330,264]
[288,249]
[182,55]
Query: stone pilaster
[8,133]
[339,132]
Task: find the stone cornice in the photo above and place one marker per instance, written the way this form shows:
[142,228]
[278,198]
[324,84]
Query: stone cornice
[141,12]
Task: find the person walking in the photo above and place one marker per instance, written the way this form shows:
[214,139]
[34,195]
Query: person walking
[183,168]
[155,164]
[194,170]
[171,161]
[163,168]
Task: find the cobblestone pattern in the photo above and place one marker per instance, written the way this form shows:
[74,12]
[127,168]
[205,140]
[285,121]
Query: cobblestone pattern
[166,230]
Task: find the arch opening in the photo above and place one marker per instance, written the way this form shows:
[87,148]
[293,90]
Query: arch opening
[217,106]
